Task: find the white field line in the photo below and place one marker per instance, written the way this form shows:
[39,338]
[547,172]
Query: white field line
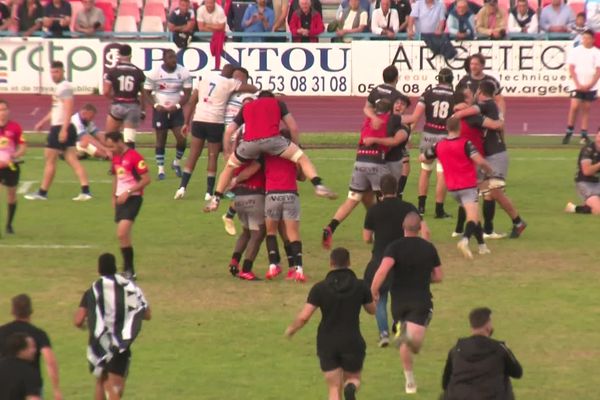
[47,246]
[25,186]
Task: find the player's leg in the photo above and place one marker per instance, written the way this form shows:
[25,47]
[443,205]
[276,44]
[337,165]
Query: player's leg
[593,202]
[228,219]
[124,228]
[381,317]
[113,124]
[472,217]
[440,193]
[257,236]
[238,250]
[585,120]
[159,151]
[131,122]
[71,159]
[180,145]
[11,197]
[574,105]
[50,159]
[196,147]
[292,229]
[288,251]
[404,176]
[334,379]
[114,386]
[340,215]
[415,336]
[99,393]
[214,148]
[423,187]
[273,219]
[351,384]
[461,219]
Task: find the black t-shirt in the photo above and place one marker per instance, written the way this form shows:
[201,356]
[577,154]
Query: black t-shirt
[18,379]
[439,103]
[396,153]
[414,260]
[126,80]
[493,141]
[404,8]
[27,20]
[588,152]
[473,84]
[4,13]
[385,220]
[51,11]
[383,91]
[39,337]
[340,297]
[178,18]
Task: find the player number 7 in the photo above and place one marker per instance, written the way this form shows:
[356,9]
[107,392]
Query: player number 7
[212,87]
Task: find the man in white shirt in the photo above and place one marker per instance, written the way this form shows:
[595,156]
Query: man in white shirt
[207,104]
[62,136]
[211,17]
[522,19]
[584,69]
[385,21]
[352,20]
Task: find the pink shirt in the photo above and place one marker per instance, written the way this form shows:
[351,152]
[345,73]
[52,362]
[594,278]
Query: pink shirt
[128,169]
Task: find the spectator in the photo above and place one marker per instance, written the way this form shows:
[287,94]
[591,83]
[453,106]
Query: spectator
[18,379]
[385,20]
[57,17]
[258,18]
[29,17]
[182,22]
[580,25]
[306,23]
[427,17]
[592,15]
[461,21]
[479,367]
[556,17]
[90,19]
[280,8]
[474,7]
[353,19]
[522,19]
[211,17]
[364,4]
[5,17]
[295,4]
[491,21]
[403,7]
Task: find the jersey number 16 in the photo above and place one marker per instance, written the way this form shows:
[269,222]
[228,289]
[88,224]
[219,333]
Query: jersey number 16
[126,83]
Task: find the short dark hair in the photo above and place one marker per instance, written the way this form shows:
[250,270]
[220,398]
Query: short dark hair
[459,94]
[265,93]
[57,64]
[125,50]
[487,88]
[242,70]
[581,14]
[114,136]
[340,257]
[2,101]
[388,184]
[588,32]
[21,306]
[167,51]
[445,76]
[383,106]
[453,124]
[107,264]
[480,316]
[479,57]
[403,98]
[390,74]
[15,343]
[89,107]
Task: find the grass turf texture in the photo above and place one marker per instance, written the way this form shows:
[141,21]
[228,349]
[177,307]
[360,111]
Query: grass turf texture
[215,337]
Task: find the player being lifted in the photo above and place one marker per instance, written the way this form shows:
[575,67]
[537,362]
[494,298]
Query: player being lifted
[168,87]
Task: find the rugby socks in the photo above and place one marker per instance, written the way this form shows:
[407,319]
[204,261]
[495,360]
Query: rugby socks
[489,210]
[230,213]
[185,179]
[350,391]
[236,257]
[569,131]
[517,220]
[159,155]
[583,210]
[421,206]
[210,183]
[179,150]
[439,210]
[85,189]
[127,253]
[288,252]
[296,248]
[401,185]
[272,249]
[410,377]
[584,134]
[316,181]
[12,209]
[469,229]
[247,266]
[43,192]
[478,232]
[333,225]
[460,220]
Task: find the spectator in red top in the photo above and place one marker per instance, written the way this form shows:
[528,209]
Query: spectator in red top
[306,23]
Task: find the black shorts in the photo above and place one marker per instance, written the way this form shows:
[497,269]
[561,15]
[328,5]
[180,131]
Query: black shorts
[119,364]
[166,120]
[584,96]
[417,313]
[9,177]
[348,361]
[52,140]
[128,210]
[211,132]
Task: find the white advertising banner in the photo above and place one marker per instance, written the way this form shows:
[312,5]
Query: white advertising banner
[25,64]
[524,68]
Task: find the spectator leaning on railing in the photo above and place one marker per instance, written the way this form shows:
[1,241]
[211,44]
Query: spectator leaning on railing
[403,7]
[211,17]
[491,21]
[556,17]
[182,22]
[90,19]
[385,21]
[474,7]
[427,17]
[522,19]
[592,14]
[280,8]
[295,4]
[461,21]
[257,18]
[57,17]
[5,19]
[28,17]
[306,23]
[580,25]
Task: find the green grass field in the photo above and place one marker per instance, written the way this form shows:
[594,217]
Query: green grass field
[215,337]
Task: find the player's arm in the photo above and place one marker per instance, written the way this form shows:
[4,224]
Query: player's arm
[499,99]
[589,169]
[114,188]
[20,150]
[429,155]
[68,105]
[416,115]
[187,92]
[141,184]
[482,163]
[52,369]
[300,177]
[512,367]
[400,136]
[367,235]
[230,130]
[147,314]
[43,121]
[188,110]
[147,93]
[437,274]
[369,111]
[293,127]
[494,124]
[301,320]
[107,88]
[247,88]
[573,76]
[81,313]
[593,81]
[467,112]
[247,173]
[382,272]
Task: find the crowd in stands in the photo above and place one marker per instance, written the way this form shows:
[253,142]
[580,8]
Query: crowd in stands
[303,20]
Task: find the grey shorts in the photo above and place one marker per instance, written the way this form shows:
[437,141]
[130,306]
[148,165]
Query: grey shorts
[126,112]
[367,176]
[282,206]
[395,168]
[587,189]
[465,196]
[499,163]
[274,145]
[251,210]
[428,140]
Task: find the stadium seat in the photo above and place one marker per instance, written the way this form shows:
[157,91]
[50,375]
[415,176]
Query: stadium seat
[126,23]
[139,3]
[155,10]
[533,4]
[129,9]
[504,4]
[152,23]
[165,3]
[109,15]
[76,6]
[577,7]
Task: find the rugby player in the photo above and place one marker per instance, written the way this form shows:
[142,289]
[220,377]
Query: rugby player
[168,87]
[88,135]
[130,178]
[474,66]
[12,147]
[61,138]
[123,85]
[207,105]
[437,104]
[397,158]
[387,90]
[587,180]
[416,264]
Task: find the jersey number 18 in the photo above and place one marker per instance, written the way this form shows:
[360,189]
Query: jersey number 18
[440,109]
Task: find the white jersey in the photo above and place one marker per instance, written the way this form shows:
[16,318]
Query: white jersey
[168,86]
[234,105]
[62,91]
[585,62]
[213,95]
[83,127]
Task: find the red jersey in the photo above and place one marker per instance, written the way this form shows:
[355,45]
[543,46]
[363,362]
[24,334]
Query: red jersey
[472,133]
[261,118]
[455,156]
[253,185]
[280,175]
[11,136]
[374,153]
[128,169]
